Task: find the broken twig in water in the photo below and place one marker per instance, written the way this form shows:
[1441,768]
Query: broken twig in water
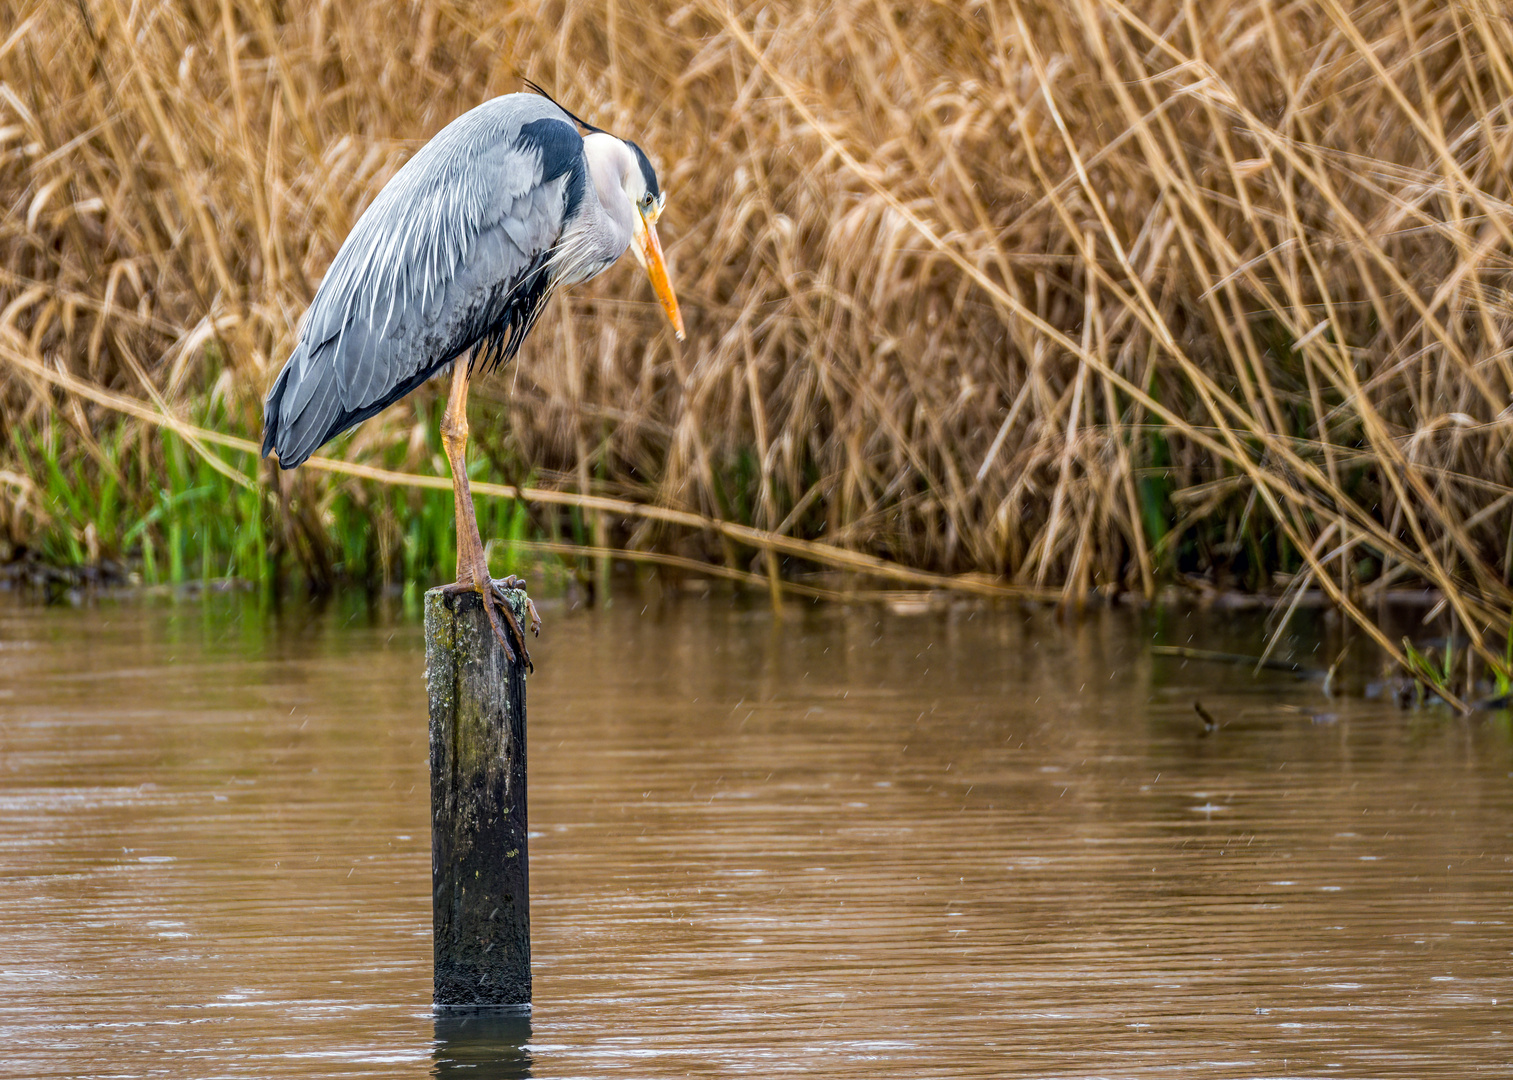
[1299,670]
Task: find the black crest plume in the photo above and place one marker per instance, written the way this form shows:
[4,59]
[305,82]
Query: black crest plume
[536,88]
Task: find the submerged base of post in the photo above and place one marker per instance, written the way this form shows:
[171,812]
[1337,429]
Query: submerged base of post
[479,868]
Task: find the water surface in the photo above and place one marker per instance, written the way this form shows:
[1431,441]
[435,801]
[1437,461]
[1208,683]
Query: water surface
[847,843]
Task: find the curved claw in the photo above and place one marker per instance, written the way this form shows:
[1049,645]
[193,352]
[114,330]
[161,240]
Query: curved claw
[518,584]
[509,616]
[491,599]
[498,590]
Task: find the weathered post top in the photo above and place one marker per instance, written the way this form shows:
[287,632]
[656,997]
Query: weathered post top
[479,869]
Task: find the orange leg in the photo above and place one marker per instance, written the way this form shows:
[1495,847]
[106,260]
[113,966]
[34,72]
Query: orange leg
[472,562]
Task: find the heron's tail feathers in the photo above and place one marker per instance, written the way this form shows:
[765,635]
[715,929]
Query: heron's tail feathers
[305,410]
[270,413]
[299,412]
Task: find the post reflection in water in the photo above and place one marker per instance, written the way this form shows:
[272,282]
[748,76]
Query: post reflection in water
[849,843]
[482,1046]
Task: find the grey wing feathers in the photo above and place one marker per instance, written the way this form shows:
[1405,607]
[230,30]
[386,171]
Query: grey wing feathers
[433,266]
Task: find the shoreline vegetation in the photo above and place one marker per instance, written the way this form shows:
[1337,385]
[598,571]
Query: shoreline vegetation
[1022,299]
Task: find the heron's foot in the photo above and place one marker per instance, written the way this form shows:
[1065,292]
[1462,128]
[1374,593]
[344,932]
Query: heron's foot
[517,584]
[492,593]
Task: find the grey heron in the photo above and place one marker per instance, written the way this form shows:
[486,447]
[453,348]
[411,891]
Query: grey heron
[452,264]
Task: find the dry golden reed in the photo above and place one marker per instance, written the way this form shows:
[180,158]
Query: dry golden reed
[1080,294]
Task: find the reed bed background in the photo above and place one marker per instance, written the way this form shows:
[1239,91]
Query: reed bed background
[1064,298]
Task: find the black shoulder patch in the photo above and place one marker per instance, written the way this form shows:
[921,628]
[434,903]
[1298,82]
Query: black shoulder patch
[647,171]
[561,150]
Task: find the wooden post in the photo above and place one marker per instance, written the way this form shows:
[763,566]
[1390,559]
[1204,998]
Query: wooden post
[480,899]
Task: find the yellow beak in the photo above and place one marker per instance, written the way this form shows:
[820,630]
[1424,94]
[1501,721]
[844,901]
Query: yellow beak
[648,251]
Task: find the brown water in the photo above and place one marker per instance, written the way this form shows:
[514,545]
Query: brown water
[847,844]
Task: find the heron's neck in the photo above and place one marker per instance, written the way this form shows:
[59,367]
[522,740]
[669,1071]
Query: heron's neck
[609,162]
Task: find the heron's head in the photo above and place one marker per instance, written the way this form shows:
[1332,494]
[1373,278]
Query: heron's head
[622,167]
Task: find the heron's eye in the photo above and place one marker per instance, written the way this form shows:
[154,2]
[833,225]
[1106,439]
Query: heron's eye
[648,201]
